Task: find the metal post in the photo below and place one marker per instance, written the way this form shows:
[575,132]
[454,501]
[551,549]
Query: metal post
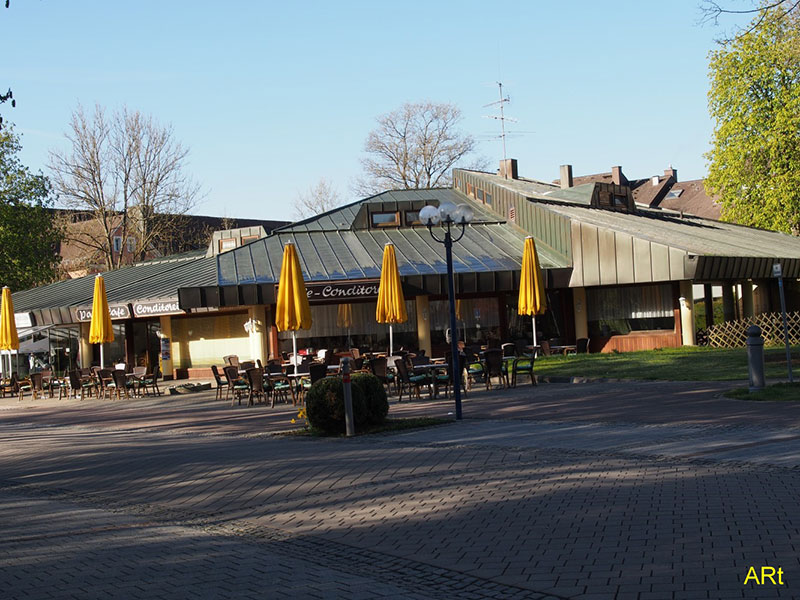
[451,292]
[785,330]
[348,398]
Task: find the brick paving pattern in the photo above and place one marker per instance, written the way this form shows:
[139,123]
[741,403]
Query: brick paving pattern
[536,495]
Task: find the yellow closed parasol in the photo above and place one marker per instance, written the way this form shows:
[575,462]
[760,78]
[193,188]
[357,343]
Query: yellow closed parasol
[293,311]
[9,340]
[391,303]
[532,299]
[100,330]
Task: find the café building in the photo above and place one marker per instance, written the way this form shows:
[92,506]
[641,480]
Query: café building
[616,272]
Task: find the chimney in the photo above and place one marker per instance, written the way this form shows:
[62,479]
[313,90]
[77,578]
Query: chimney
[671,173]
[617,178]
[508,168]
[566,176]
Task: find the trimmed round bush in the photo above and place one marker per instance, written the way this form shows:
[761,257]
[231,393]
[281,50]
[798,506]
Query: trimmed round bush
[377,404]
[325,405]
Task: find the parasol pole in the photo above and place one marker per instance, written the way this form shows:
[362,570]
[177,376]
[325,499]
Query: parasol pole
[102,357]
[533,320]
[294,349]
[391,341]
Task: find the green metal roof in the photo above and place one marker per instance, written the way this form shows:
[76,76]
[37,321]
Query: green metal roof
[152,279]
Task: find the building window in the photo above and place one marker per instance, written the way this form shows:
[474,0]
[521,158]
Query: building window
[621,310]
[412,218]
[488,198]
[117,243]
[246,239]
[131,245]
[674,193]
[386,219]
[480,195]
[620,200]
[227,244]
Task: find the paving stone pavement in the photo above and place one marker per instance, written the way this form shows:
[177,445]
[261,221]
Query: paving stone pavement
[580,504]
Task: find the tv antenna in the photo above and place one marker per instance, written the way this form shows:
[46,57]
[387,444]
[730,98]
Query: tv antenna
[502,118]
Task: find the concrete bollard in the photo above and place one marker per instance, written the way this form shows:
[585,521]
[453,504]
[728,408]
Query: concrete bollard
[755,358]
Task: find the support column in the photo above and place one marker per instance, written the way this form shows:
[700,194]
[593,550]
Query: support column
[686,302]
[708,301]
[580,313]
[257,317]
[85,347]
[424,324]
[748,305]
[728,308]
[165,348]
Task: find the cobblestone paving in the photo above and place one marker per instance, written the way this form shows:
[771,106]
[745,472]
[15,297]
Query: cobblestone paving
[484,508]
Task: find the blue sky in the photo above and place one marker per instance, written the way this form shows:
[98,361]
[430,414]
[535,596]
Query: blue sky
[270,97]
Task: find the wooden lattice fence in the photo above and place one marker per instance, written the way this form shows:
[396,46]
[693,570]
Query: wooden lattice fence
[733,334]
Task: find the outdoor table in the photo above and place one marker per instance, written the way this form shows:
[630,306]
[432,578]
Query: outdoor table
[566,349]
[433,368]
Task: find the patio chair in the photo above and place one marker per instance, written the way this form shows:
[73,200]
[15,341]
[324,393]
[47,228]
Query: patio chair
[378,366]
[104,378]
[405,380]
[582,346]
[119,384]
[545,346]
[137,375]
[33,385]
[447,379]
[236,385]
[221,383]
[316,371]
[150,380]
[255,381]
[495,367]
[522,365]
[247,364]
[509,350]
[78,385]
[231,360]
[10,387]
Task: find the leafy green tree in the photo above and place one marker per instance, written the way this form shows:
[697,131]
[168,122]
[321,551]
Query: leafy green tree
[754,163]
[29,233]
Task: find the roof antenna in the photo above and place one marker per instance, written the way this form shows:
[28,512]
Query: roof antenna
[502,118]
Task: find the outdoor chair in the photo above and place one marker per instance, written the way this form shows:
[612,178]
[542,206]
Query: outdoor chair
[247,364]
[236,385]
[10,387]
[78,385]
[316,372]
[509,350]
[405,380]
[545,346]
[255,380]
[150,380]
[447,379]
[104,378]
[137,375]
[521,347]
[495,367]
[582,346]
[522,365]
[119,384]
[231,360]
[378,366]
[221,382]
[32,385]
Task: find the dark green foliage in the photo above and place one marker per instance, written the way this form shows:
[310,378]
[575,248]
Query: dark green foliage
[377,403]
[29,235]
[325,405]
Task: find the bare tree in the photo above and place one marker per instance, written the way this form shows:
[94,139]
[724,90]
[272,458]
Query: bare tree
[127,174]
[414,147]
[319,198]
[712,11]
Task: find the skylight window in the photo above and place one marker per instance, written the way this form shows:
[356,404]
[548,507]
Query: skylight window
[673,193]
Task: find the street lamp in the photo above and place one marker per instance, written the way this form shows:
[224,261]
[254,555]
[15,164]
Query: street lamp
[448,215]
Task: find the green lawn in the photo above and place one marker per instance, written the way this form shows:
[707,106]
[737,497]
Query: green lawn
[780,392]
[677,364]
